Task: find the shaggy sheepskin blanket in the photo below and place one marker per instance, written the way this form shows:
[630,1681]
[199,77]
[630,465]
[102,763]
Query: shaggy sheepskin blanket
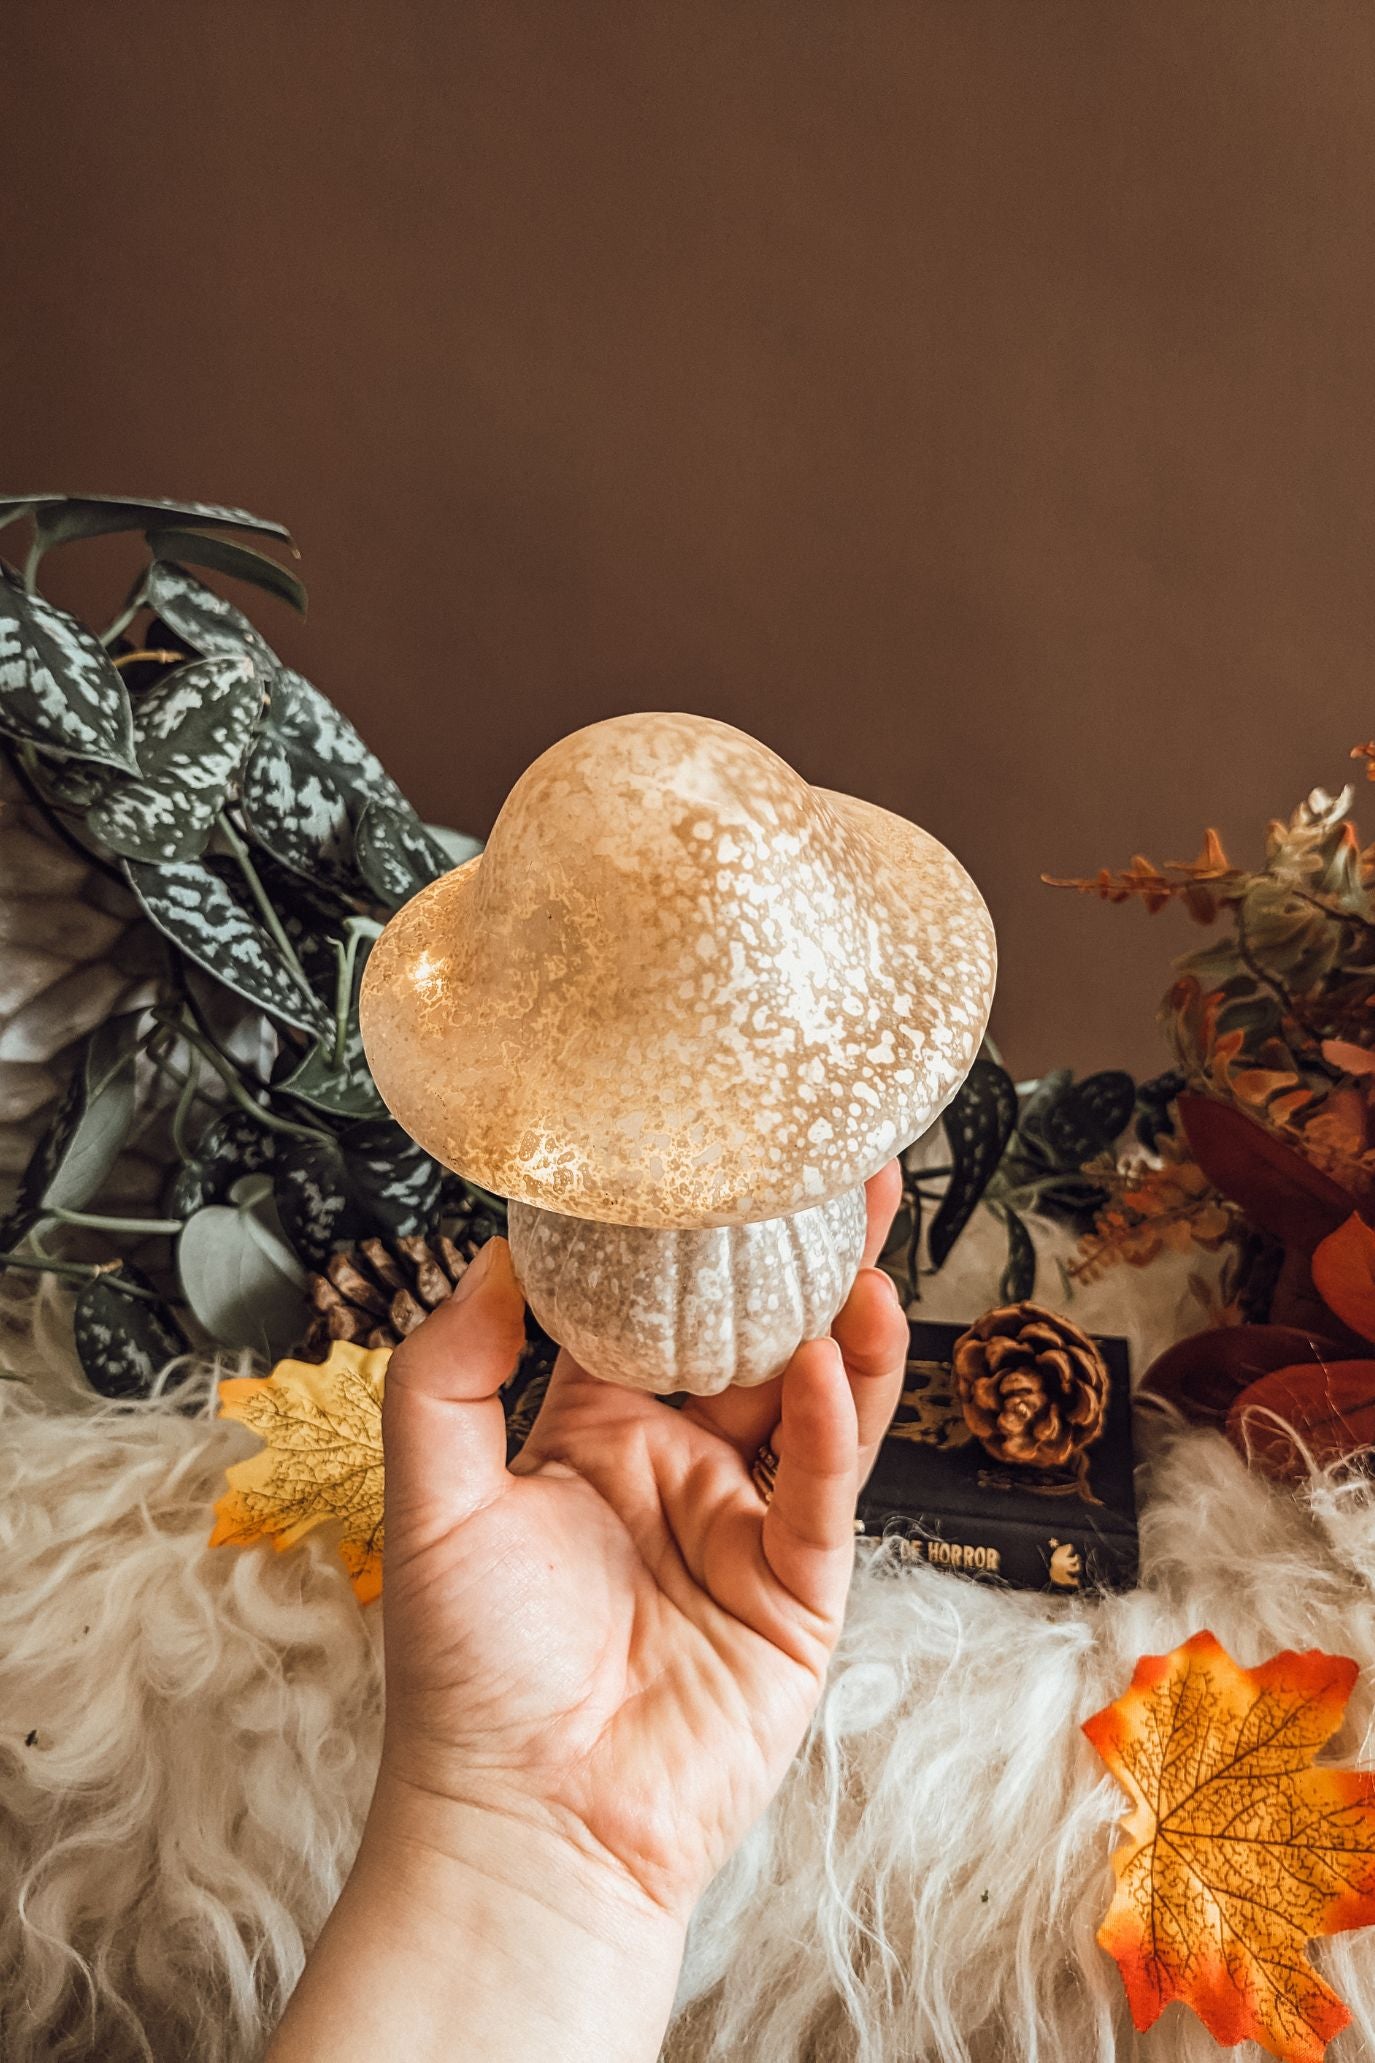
[188,1739]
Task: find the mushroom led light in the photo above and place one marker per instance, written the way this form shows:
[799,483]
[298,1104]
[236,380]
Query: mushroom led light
[678,1011]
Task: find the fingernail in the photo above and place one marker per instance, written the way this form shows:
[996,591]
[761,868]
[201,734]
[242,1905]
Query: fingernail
[886,1279]
[476,1272]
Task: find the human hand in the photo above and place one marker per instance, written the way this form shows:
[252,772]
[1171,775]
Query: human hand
[615,1640]
[600,1662]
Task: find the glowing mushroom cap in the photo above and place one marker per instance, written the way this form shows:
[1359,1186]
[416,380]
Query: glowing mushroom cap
[680,987]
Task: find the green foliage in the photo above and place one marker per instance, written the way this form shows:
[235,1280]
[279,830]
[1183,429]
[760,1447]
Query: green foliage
[86,1133]
[1040,1148]
[191,733]
[59,692]
[123,1338]
[242,1281]
[978,1124]
[60,517]
[223,555]
[266,846]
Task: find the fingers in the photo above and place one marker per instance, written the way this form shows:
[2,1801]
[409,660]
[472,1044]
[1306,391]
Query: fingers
[744,1417]
[747,1417]
[882,1195]
[443,1427]
[809,1528]
[871,1332]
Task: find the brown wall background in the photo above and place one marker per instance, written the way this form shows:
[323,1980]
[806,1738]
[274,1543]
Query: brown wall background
[969,397]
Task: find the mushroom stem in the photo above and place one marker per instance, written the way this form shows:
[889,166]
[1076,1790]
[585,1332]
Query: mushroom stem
[688,1308]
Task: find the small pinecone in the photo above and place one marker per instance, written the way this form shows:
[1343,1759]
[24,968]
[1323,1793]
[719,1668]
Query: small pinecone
[1034,1388]
[378,1291]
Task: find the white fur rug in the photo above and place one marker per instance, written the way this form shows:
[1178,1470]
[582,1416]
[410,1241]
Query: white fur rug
[187,1741]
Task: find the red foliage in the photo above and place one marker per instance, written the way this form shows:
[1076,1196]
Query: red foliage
[1280,1191]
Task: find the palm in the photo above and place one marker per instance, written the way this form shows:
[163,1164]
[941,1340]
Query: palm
[620,1630]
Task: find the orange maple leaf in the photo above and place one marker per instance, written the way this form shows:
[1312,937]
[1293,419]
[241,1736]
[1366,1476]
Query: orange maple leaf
[321,1424]
[1238,1850]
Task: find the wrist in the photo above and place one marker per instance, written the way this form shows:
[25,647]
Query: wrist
[461,1917]
[515,1850]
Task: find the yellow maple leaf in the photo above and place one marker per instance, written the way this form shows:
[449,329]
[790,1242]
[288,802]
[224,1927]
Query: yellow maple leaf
[321,1459]
[1238,1850]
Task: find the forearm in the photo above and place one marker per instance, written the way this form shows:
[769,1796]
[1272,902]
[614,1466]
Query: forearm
[496,1946]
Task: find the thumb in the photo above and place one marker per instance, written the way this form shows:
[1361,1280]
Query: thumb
[443,1427]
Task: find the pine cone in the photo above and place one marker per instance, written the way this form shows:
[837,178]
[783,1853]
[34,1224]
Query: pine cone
[378,1291]
[1034,1388]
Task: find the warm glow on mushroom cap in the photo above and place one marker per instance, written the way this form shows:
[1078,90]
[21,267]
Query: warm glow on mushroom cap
[680,986]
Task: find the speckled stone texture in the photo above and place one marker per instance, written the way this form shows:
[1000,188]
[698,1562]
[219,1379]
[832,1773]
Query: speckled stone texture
[681,987]
[661,1309]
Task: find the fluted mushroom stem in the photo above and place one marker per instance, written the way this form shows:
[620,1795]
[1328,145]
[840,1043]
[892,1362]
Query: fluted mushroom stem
[688,1309]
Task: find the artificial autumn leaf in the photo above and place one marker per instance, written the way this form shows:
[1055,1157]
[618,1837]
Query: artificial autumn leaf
[321,1425]
[1205,1374]
[1261,1087]
[1238,1851]
[1335,1131]
[1309,1414]
[1165,1207]
[1344,1274]
[1350,1058]
[1280,1191]
[1202,885]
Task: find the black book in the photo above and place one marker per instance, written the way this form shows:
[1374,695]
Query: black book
[952,1505]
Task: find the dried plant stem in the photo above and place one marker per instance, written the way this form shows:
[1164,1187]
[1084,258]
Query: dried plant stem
[81,1271]
[161,658]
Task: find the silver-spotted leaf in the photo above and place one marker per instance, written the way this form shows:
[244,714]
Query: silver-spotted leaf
[344,1088]
[59,517]
[397,857]
[315,1198]
[58,689]
[307,781]
[231,1146]
[201,618]
[192,731]
[226,555]
[193,906]
[64,785]
[371,1180]
[123,1342]
[978,1124]
[1087,1117]
[397,1185]
[1037,1101]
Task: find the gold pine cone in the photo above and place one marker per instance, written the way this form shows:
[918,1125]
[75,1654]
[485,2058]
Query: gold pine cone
[1033,1387]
